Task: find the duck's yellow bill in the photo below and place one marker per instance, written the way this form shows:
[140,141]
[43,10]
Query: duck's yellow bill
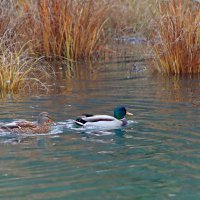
[128,113]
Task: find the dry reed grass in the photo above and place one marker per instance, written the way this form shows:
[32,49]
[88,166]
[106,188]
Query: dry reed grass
[18,71]
[79,30]
[177,38]
[68,28]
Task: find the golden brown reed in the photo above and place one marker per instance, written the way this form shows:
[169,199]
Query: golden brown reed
[18,70]
[177,38]
[68,28]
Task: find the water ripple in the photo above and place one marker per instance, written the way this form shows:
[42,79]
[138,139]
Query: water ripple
[155,157]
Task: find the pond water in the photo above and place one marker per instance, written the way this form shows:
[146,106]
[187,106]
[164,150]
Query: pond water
[155,157]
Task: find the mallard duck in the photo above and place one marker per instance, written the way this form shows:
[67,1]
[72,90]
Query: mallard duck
[105,121]
[43,125]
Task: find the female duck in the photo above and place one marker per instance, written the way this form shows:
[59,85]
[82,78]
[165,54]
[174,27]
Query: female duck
[105,121]
[43,125]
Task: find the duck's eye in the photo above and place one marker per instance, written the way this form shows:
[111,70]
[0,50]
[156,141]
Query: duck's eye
[49,121]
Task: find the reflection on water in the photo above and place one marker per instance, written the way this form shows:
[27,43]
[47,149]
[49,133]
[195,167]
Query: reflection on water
[155,158]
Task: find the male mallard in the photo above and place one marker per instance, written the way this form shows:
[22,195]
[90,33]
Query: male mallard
[43,125]
[105,121]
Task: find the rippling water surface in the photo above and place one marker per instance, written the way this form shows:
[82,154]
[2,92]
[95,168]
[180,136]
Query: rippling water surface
[155,157]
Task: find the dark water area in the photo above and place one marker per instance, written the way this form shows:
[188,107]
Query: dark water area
[155,157]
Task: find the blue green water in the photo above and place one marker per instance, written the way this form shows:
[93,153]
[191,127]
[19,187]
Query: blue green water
[155,157]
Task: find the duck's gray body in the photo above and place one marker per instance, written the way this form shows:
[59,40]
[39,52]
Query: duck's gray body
[100,121]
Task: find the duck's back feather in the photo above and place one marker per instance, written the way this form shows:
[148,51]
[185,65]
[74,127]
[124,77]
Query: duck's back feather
[94,119]
[19,124]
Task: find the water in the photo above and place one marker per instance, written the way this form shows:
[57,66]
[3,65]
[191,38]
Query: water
[155,157]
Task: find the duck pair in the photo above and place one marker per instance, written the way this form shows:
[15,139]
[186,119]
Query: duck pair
[44,122]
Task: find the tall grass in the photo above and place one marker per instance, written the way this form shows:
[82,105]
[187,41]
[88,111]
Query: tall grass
[177,38]
[18,71]
[68,28]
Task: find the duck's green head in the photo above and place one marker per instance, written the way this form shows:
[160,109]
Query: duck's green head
[120,112]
